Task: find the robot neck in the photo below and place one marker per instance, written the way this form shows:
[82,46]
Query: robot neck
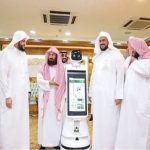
[76,63]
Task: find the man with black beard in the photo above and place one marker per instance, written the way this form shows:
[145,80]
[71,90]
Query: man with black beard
[106,91]
[65,58]
[14,87]
[51,81]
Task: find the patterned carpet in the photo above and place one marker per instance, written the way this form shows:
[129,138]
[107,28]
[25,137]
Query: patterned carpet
[33,132]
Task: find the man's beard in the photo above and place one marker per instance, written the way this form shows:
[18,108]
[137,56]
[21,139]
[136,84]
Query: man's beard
[135,55]
[103,48]
[21,48]
[52,62]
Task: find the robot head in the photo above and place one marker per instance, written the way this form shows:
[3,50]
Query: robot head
[76,55]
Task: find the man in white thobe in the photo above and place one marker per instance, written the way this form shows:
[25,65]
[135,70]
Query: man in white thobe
[106,92]
[51,81]
[134,123]
[14,87]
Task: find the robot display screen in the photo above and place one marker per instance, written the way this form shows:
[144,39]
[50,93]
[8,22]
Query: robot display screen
[77,99]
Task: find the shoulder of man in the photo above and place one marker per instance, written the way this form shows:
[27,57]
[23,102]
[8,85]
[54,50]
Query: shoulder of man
[117,55]
[117,52]
[5,52]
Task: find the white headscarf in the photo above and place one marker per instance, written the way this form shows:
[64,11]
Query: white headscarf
[97,48]
[18,36]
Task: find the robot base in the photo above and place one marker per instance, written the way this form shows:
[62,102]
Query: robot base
[77,143]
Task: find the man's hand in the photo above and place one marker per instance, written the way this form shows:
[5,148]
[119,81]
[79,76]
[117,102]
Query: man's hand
[132,59]
[118,101]
[90,99]
[9,102]
[52,82]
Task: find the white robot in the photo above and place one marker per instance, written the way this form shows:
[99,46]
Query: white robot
[75,134]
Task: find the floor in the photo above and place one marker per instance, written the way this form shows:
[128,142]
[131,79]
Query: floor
[33,132]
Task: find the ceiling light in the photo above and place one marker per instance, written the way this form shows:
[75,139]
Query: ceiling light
[141,0]
[33,32]
[67,33]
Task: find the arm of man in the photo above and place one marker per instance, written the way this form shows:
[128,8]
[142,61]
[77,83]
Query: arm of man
[91,87]
[53,82]
[4,84]
[120,79]
[142,67]
[43,84]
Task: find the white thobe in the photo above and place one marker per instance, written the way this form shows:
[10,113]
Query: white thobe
[49,128]
[134,123]
[106,85]
[14,83]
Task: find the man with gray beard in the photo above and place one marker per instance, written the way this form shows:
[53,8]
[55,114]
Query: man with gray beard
[51,81]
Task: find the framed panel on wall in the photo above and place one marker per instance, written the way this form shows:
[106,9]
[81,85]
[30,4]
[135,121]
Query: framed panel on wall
[34,64]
